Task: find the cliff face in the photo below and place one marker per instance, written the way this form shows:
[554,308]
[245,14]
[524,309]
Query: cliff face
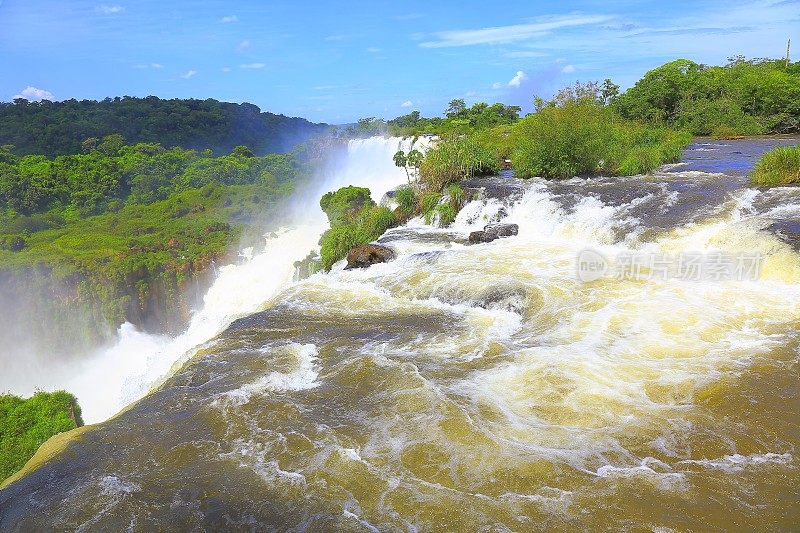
[67,316]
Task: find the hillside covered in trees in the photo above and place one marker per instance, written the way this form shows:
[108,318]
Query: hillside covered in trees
[60,128]
[120,233]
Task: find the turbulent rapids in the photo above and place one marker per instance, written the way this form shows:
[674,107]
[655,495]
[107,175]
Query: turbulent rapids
[472,387]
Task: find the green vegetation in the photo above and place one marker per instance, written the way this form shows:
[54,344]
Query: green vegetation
[125,227]
[442,208]
[26,423]
[591,129]
[406,199]
[354,219]
[409,162]
[458,119]
[457,157]
[577,132]
[778,167]
[344,206]
[581,135]
[447,214]
[69,127]
[743,97]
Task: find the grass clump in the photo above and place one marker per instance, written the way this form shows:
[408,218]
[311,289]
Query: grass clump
[447,214]
[455,158]
[26,423]
[406,199]
[778,167]
[375,221]
[355,220]
[337,241]
[456,195]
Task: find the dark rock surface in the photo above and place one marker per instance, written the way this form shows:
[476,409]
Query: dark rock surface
[367,255]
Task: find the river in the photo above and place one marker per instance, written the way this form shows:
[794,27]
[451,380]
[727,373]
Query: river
[483,387]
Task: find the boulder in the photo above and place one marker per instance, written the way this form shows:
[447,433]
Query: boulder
[17,244]
[493,231]
[502,230]
[481,236]
[367,255]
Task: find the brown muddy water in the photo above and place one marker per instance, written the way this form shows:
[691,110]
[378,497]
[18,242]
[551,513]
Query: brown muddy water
[485,387]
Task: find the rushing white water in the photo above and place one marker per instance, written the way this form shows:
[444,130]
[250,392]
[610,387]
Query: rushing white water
[114,377]
[481,386]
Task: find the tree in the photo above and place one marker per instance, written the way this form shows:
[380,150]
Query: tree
[242,151]
[609,90]
[111,144]
[456,107]
[89,145]
[401,160]
[414,160]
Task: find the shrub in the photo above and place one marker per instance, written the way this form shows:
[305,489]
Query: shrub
[455,158]
[406,199]
[337,241]
[447,214]
[375,221]
[723,117]
[561,142]
[640,160]
[343,205]
[26,423]
[351,228]
[778,167]
[429,201]
[585,137]
[456,195]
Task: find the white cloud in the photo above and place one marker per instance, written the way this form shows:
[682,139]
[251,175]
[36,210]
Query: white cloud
[515,32]
[253,65]
[373,50]
[325,87]
[229,19]
[569,69]
[244,45]
[156,65]
[110,10]
[518,78]
[497,85]
[407,103]
[226,69]
[35,94]
[189,74]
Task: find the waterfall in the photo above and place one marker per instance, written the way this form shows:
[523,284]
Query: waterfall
[480,386]
[114,377]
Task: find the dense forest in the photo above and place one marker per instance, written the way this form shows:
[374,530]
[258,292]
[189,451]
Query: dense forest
[743,97]
[119,232]
[69,127]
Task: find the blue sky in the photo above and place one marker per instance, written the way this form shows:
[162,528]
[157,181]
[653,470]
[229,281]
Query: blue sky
[337,61]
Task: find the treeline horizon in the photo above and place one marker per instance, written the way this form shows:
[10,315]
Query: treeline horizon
[61,128]
[743,97]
